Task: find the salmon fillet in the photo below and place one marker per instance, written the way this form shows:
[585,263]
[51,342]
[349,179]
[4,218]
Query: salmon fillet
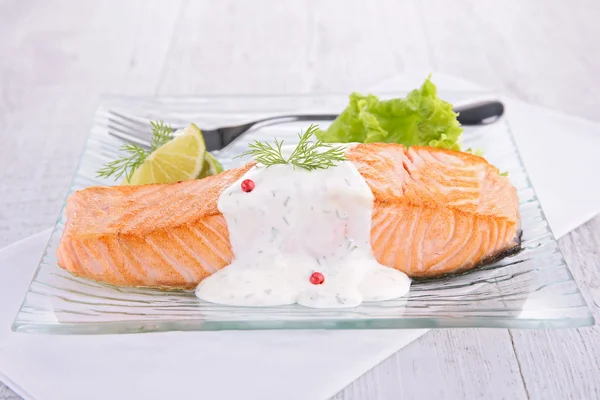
[435,212]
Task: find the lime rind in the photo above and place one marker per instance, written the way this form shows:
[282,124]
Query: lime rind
[211,166]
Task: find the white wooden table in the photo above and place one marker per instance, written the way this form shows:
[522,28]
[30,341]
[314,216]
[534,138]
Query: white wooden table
[56,57]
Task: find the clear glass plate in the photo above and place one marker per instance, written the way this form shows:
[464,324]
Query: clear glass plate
[531,289]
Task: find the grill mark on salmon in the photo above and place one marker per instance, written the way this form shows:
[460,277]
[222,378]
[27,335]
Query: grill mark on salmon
[173,258]
[138,272]
[435,212]
[150,274]
[219,257]
[199,260]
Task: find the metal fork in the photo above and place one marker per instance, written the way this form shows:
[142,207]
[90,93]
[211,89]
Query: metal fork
[137,130]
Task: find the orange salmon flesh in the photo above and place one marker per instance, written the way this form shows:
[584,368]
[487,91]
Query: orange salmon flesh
[435,212]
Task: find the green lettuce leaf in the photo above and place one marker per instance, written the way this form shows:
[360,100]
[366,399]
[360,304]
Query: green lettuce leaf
[422,119]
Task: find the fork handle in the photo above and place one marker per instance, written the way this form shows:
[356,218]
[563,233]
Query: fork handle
[292,118]
[237,130]
[479,113]
[229,134]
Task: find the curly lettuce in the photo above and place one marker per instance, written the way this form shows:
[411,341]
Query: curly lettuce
[420,119]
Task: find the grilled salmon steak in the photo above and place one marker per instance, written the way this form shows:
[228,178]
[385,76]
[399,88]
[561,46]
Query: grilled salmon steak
[435,212]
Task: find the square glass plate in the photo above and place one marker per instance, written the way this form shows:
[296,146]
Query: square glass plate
[531,289]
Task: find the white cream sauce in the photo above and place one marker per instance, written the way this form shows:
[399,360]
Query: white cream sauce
[296,222]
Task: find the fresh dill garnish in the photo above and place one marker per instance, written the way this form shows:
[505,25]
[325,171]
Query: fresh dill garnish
[308,154]
[161,134]
[126,164]
[136,155]
[265,153]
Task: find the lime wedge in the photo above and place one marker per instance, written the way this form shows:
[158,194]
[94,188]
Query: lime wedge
[177,160]
[211,166]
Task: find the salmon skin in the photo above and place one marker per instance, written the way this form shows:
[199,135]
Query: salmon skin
[435,212]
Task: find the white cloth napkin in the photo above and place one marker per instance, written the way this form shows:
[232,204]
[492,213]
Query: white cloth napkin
[266,364]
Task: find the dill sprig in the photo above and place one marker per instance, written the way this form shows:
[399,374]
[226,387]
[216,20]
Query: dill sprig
[161,134]
[136,155]
[265,153]
[308,154]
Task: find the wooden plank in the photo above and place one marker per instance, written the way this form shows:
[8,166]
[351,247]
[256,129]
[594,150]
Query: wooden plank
[559,364]
[446,364]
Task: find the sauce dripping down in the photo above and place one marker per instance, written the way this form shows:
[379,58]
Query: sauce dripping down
[296,222]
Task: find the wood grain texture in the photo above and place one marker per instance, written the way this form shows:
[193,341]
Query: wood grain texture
[446,364]
[59,57]
[557,363]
